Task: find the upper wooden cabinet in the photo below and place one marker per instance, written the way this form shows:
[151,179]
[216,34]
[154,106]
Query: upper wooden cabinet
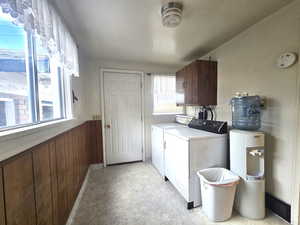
[196,84]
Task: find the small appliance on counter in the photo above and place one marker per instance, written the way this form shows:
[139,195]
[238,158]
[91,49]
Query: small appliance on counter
[247,161]
[203,113]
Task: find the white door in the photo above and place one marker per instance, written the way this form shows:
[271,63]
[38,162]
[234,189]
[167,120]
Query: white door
[123,117]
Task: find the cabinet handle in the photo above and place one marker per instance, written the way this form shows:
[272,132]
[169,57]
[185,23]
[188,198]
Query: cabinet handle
[165,145]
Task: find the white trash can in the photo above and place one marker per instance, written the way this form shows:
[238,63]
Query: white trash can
[218,187]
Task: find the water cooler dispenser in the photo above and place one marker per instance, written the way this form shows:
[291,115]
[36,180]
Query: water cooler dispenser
[247,161]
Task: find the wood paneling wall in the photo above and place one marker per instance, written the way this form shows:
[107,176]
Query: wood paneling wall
[2,212]
[19,191]
[95,130]
[40,186]
[42,180]
[54,181]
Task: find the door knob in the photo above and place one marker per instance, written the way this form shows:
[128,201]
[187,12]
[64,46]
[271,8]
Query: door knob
[107,126]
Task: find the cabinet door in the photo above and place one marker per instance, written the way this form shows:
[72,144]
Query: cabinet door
[43,189]
[189,85]
[192,87]
[2,212]
[158,149]
[19,191]
[180,87]
[177,163]
[193,70]
[207,84]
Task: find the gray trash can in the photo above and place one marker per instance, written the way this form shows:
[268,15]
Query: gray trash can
[218,187]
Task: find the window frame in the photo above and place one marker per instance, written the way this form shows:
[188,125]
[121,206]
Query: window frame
[33,87]
[153,95]
[59,72]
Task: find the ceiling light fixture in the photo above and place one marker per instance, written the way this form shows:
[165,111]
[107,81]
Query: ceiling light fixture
[171,14]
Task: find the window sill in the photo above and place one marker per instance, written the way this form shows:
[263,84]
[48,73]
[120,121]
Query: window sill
[28,130]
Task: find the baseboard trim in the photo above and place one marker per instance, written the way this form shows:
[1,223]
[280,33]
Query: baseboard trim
[124,163]
[279,207]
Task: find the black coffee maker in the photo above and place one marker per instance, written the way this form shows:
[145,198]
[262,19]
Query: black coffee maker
[203,113]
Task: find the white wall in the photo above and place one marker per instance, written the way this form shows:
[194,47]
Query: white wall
[79,107]
[248,63]
[91,69]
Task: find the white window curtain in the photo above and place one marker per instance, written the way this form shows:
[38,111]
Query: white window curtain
[164,94]
[40,17]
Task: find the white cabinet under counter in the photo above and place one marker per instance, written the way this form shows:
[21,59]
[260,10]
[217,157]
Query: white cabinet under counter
[157,137]
[188,150]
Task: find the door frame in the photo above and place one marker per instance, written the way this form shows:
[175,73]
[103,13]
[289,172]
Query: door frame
[141,74]
[295,182]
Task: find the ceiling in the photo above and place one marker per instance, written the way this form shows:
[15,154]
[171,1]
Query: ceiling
[131,30]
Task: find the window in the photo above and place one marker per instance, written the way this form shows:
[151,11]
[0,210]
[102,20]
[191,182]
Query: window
[31,87]
[164,95]
[49,84]
[14,75]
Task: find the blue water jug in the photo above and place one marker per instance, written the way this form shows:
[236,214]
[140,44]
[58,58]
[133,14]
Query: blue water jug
[246,112]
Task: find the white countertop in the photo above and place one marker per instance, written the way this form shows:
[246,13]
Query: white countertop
[187,133]
[168,125]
